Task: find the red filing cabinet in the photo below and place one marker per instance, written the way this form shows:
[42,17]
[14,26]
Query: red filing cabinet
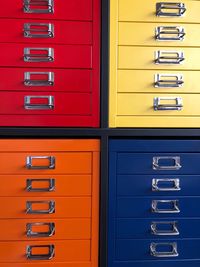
[49,67]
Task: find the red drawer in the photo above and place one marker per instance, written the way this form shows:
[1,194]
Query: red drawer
[45,32]
[54,9]
[49,56]
[33,80]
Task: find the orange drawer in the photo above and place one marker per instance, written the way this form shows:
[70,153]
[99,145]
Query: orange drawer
[45,185]
[47,229]
[41,207]
[54,251]
[55,264]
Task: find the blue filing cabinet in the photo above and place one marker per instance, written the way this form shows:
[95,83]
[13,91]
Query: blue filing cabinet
[154,203]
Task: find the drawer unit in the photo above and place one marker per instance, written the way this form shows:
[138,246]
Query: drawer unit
[50,202]
[50,46]
[154,49]
[153,214]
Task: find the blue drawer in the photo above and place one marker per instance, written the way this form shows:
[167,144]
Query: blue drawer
[133,250]
[158,228]
[169,263]
[158,185]
[156,208]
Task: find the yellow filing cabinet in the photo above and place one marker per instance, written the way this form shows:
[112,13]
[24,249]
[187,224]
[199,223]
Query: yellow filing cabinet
[154,63]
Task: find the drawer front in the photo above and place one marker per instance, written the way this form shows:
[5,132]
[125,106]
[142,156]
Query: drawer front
[157,228]
[49,56]
[158,58]
[168,263]
[183,11]
[37,207]
[150,249]
[46,103]
[44,229]
[45,185]
[158,185]
[59,9]
[54,264]
[158,34]
[46,163]
[55,251]
[45,32]
[151,81]
[158,104]
[158,163]
[158,207]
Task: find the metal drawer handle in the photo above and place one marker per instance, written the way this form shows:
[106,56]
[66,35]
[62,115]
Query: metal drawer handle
[173,229]
[31,233]
[176,166]
[172,253]
[170,9]
[38,30]
[38,54]
[39,6]
[50,188]
[50,210]
[47,81]
[178,105]
[169,33]
[174,209]
[175,183]
[34,106]
[169,57]
[31,256]
[168,80]
[51,165]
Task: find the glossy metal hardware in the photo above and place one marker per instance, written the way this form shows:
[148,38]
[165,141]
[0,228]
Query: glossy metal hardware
[170,9]
[31,256]
[51,165]
[50,210]
[30,185]
[31,233]
[173,229]
[33,82]
[169,33]
[178,105]
[39,6]
[156,185]
[174,209]
[159,254]
[168,80]
[157,166]
[169,57]
[38,30]
[36,106]
[33,55]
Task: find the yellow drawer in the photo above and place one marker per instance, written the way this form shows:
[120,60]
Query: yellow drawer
[158,58]
[150,10]
[162,34]
[151,81]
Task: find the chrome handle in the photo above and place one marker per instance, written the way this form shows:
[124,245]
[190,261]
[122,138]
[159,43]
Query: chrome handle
[168,80]
[175,185]
[169,33]
[173,206]
[169,57]
[176,163]
[31,233]
[170,9]
[178,105]
[173,228]
[172,253]
[49,256]
[38,54]
[39,6]
[51,165]
[30,209]
[31,188]
[48,78]
[38,30]
[35,106]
